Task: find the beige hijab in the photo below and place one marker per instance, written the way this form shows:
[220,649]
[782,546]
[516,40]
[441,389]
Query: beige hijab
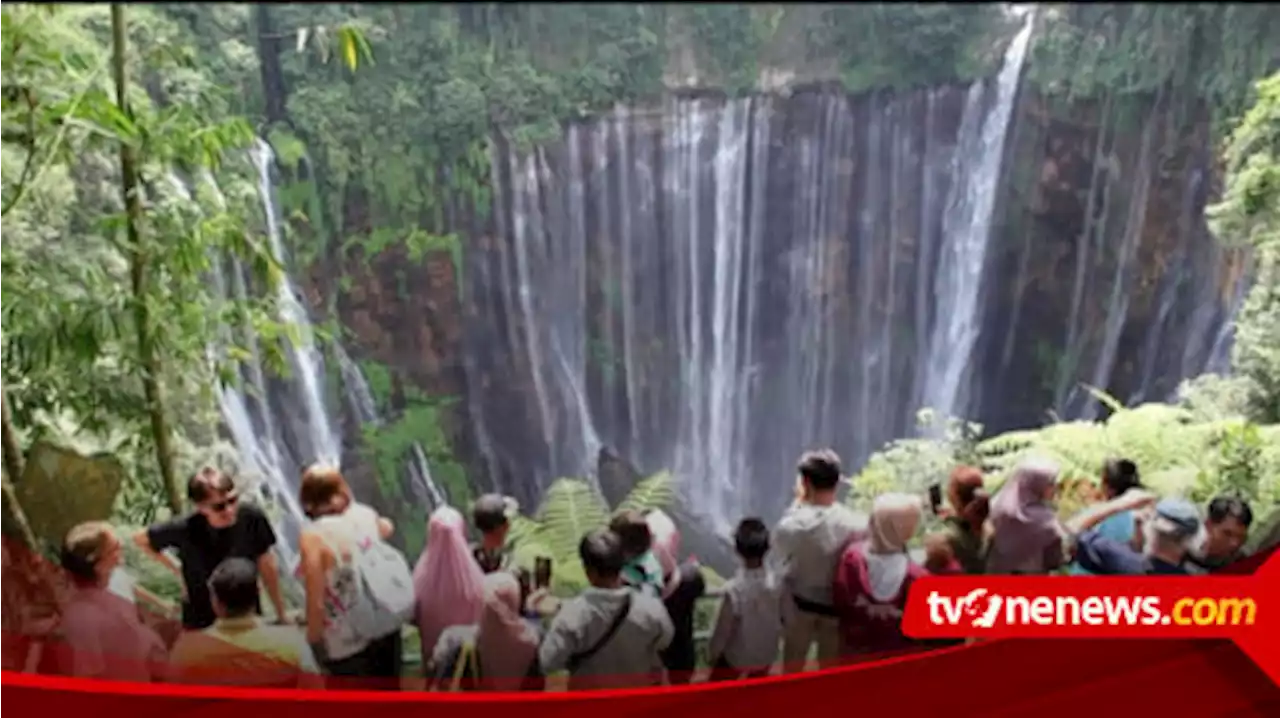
[894,520]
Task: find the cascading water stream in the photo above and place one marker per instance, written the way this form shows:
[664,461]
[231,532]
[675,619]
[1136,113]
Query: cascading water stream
[361,402]
[325,446]
[967,225]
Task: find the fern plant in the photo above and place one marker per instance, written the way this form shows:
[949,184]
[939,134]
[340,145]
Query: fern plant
[569,509]
[1181,450]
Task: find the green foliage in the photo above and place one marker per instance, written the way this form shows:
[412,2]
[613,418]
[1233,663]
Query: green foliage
[1199,452]
[1249,215]
[913,464]
[732,40]
[909,45]
[69,345]
[389,446]
[1200,52]
[570,508]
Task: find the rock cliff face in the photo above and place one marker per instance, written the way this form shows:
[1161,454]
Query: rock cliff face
[713,285]
[1104,271]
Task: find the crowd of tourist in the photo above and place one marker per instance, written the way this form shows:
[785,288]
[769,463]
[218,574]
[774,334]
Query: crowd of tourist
[822,584]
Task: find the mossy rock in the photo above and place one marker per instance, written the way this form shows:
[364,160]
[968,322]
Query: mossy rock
[61,488]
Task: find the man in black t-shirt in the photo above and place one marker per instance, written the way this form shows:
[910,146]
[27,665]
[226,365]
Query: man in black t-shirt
[220,528]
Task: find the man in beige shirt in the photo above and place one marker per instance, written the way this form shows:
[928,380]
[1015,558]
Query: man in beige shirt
[807,544]
[241,649]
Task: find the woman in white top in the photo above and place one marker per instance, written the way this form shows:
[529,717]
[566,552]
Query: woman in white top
[331,587]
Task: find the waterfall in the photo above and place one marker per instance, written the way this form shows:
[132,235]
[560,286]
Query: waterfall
[281,425]
[967,225]
[758,315]
[323,443]
[714,285]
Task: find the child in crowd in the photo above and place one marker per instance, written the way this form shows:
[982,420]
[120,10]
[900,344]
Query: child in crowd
[642,571]
[749,626]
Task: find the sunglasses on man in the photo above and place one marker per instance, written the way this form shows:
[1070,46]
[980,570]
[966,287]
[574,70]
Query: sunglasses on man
[223,505]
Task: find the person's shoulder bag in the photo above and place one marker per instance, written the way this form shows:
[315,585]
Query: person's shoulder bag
[576,660]
[384,582]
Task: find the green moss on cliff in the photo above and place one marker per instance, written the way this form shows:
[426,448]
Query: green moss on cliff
[390,446]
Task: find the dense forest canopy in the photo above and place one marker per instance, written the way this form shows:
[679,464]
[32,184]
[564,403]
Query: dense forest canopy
[381,118]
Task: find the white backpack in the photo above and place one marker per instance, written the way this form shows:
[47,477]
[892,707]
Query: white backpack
[384,586]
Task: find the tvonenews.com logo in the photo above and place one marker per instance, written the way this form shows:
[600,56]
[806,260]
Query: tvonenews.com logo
[982,609]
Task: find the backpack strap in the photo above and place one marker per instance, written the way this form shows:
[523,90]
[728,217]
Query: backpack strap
[576,660]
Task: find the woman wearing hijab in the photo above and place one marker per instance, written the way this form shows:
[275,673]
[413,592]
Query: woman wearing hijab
[683,585]
[447,581]
[958,547]
[1026,537]
[874,576]
[500,653]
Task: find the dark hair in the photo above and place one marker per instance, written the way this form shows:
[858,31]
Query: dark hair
[489,513]
[234,583]
[207,483]
[320,486]
[820,468]
[968,497]
[601,553]
[1223,507]
[633,532]
[1120,475]
[82,548]
[751,539]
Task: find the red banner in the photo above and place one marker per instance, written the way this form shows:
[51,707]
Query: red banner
[1244,609]
[1180,665]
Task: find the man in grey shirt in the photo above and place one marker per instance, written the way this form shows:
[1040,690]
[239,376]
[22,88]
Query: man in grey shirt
[807,545]
[609,635]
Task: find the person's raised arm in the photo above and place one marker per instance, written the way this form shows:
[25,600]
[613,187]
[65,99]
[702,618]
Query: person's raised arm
[385,528]
[1096,514]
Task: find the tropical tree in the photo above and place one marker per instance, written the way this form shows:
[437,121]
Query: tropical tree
[118,205]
